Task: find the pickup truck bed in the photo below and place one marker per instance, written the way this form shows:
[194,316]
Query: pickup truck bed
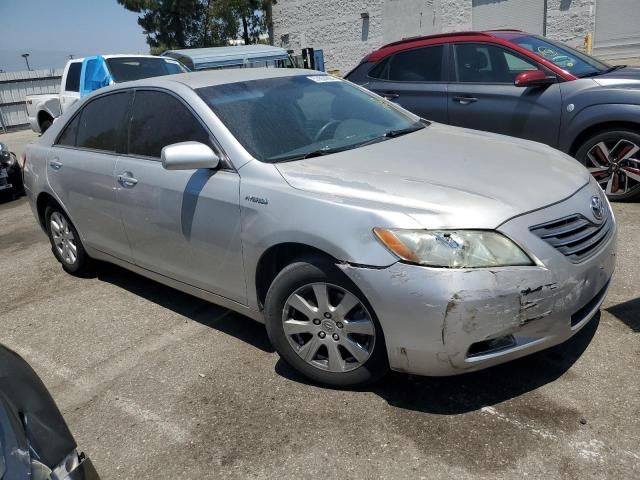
[41,106]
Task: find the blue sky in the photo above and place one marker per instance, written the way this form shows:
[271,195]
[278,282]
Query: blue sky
[50,30]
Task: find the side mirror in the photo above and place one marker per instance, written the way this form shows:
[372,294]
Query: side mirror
[188,156]
[534,78]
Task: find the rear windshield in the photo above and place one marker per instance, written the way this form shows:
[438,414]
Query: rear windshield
[287,118]
[126,69]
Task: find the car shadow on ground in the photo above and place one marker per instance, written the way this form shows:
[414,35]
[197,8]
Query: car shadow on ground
[437,395]
[628,313]
[472,391]
[201,311]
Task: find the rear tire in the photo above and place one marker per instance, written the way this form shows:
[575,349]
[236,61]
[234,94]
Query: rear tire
[65,243]
[337,342]
[45,124]
[613,158]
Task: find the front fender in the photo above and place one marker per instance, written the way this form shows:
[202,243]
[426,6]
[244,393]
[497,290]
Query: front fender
[594,115]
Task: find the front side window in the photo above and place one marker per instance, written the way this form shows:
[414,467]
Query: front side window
[73,77]
[101,124]
[159,119]
[484,63]
[285,118]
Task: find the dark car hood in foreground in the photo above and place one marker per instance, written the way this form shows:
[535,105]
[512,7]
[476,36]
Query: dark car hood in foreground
[444,177]
[631,73]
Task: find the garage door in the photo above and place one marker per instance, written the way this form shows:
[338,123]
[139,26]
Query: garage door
[524,15]
[617,29]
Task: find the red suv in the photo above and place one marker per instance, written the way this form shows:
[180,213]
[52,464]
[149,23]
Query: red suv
[515,83]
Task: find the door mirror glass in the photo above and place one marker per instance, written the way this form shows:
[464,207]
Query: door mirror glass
[534,78]
[188,156]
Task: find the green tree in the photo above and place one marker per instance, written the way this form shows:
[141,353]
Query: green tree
[200,23]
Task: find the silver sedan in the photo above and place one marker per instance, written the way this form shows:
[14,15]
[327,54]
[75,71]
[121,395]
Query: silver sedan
[364,237]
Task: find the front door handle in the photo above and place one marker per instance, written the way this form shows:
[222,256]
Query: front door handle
[464,100]
[390,95]
[126,180]
[55,164]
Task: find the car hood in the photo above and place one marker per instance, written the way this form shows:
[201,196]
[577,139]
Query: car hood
[628,77]
[444,177]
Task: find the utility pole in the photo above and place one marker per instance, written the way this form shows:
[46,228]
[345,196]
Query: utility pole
[70,56]
[26,59]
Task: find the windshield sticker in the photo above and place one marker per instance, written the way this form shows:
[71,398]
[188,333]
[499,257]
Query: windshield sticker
[323,78]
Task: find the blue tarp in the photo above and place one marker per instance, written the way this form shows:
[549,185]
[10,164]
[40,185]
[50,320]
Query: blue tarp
[94,75]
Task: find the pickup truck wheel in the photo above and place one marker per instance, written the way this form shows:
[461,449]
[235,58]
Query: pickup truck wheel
[65,242]
[321,324]
[45,124]
[613,158]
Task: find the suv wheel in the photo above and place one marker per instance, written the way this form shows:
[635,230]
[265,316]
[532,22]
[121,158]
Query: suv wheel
[321,324]
[613,158]
[65,242]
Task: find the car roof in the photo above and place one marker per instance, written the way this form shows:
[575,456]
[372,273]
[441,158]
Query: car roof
[412,42]
[115,55]
[208,78]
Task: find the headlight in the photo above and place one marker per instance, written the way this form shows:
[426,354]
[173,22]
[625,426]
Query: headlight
[453,248]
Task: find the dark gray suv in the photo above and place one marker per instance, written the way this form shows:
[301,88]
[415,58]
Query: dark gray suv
[522,85]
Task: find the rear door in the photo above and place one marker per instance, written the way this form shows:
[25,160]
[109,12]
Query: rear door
[184,224]
[80,170]
[414,79]
[482,94]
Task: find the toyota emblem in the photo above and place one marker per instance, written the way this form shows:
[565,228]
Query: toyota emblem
[597,207]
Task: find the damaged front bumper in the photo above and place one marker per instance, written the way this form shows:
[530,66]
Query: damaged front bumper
[439,321]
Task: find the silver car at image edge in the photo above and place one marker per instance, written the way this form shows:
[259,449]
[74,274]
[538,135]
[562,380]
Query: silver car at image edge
[364,237]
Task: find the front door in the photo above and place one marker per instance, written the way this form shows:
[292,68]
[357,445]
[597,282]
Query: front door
[184,224]
[415,80]
[483,95]
[80,169]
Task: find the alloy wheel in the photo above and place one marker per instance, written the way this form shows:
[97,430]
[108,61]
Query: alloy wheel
[615,165]
[328,327]
[63,238]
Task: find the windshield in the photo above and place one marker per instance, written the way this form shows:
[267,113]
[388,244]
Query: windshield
[574,62]
[287,118]
[126,69]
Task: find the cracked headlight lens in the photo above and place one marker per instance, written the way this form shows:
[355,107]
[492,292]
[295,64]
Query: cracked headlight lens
[453,248]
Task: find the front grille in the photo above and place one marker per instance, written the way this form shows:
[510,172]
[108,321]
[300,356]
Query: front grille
[576,237]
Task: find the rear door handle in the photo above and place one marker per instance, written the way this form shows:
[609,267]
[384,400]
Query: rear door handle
[390,95]
[126,180]
[55,164]
[464,100]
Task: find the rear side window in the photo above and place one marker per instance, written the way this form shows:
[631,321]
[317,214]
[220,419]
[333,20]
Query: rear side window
[73,77]
[160,119]
[103,123]
[68,137]
[417,65]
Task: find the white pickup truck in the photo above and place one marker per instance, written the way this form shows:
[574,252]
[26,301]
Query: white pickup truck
[82,76]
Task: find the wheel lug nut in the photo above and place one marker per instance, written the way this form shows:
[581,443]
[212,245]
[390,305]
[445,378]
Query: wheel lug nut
[322,334]
[316,321]
[336,337]
[339,324]
[327,315]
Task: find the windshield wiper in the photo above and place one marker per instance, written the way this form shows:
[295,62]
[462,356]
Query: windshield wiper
[608,70]
[403,131]
[327,151]
[393,134]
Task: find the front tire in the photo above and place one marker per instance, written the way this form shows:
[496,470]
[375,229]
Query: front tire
[65,242]
[321,324]
[613,158]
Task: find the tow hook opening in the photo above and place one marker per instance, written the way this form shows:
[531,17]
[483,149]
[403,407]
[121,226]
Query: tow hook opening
[491,346]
